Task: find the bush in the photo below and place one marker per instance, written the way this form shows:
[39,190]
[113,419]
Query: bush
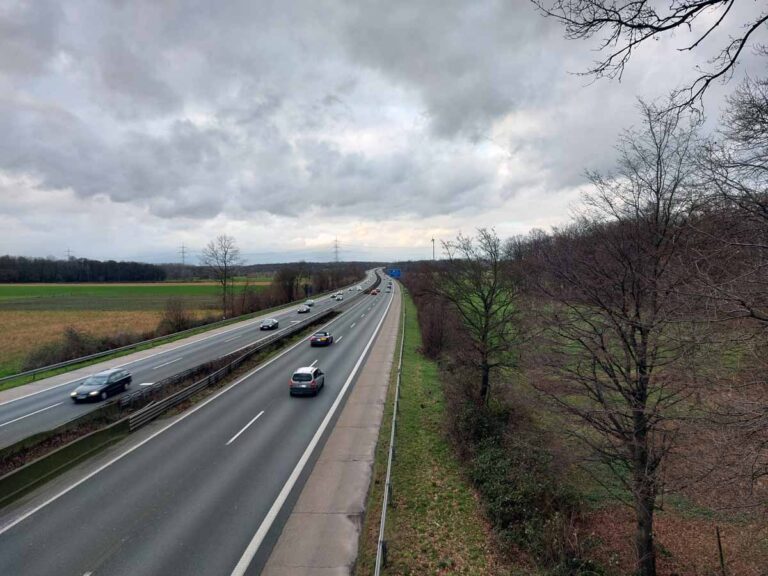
[175,318]
[509,464]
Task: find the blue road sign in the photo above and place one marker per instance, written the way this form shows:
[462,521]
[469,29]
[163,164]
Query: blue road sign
[394,272]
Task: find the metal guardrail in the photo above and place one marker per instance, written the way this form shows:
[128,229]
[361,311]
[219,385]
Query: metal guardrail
[381,547]
[212,325]
[153,410]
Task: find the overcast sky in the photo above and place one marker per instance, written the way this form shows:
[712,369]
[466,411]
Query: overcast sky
[129,128]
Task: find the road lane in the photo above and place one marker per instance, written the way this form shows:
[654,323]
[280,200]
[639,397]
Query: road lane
[181,503]
[25,417]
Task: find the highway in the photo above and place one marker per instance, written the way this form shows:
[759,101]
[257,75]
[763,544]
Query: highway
[205,494]
[51,407]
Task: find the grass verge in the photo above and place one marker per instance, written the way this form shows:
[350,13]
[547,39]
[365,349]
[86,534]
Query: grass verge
[436,525]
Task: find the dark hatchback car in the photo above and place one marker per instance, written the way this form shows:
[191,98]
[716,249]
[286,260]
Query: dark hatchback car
[101,385]
[321,339]
[269,324]
[307,380]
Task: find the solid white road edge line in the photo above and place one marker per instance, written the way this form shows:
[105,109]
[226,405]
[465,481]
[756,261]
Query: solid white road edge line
[244,428]
[185,415]
[258,538]
[30,414]
[238,326]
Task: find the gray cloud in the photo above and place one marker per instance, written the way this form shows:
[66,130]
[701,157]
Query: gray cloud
[443,114]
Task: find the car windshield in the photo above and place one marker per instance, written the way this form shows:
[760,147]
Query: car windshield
[302,377]
[321,335]
[97,380]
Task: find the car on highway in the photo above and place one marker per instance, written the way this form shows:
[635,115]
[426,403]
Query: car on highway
[339,297]
[303,309]
[101,385]
[359,288]
[322,338]
[269,324]
[309,303]
[306,380]
[374,292]
[349,289]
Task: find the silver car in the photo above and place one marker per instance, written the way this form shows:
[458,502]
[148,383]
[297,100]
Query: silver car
[308,380]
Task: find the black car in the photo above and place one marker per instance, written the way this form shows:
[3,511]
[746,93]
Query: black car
[101,385]
[269,324]
[321,339]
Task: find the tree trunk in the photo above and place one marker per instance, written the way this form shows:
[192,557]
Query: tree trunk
[645,492]
[646,553]
[485,385]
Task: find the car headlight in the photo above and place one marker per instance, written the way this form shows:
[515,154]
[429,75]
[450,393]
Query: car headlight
[94,393]
[73,394]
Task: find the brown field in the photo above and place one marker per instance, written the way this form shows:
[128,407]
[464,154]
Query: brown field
[687,545]
[25,330]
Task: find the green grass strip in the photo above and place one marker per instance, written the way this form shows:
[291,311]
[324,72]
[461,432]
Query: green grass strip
[436,525]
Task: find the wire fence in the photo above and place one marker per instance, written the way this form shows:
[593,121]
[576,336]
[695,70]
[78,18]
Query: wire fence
[381,547]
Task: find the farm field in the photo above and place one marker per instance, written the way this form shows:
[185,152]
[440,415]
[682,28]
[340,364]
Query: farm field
[150,296]
[32,315]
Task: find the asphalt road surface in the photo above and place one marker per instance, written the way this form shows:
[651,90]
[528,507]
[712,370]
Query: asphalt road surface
[205,494]
[41,411]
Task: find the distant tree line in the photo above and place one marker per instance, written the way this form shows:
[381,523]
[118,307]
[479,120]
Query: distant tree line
[23,269]
[177,271]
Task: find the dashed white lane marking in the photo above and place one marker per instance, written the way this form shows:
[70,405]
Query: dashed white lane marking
[31,414]
[353,324]
[244,428]
[313,364]
[166,363]
[146,384]
[339,340]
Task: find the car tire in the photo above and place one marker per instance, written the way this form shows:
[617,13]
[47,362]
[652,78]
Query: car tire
[103,396]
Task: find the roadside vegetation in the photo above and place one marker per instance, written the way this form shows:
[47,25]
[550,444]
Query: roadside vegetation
[436,525]
[605,382]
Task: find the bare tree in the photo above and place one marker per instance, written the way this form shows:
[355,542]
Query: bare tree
[617,330]
[733,265]
[222,257]
[474,281]
[624,25]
